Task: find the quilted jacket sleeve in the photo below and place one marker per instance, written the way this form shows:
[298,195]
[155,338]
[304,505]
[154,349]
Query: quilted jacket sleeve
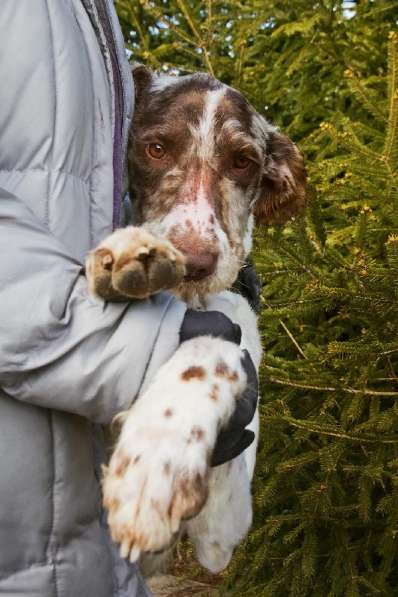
[59,347]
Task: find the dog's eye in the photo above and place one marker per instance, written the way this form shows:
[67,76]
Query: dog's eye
[241,162]
[156,151]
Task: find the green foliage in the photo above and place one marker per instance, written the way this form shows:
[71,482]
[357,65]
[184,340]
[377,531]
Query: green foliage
[326,484]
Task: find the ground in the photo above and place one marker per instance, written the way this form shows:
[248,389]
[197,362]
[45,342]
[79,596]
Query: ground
[172,586]
[185,578]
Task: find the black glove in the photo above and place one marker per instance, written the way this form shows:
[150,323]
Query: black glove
[209,323]
[234,439]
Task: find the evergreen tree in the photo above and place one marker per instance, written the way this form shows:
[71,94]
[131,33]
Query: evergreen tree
[326,483]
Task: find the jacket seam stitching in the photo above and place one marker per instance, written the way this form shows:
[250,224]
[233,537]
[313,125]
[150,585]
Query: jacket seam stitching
[47,216]
[52,547]
[48,171]
[95,139]
[125,120]
[54,114]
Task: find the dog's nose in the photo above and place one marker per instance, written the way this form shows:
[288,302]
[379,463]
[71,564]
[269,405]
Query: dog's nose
[200,265]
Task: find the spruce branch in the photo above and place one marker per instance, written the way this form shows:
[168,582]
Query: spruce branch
[200,41]
[177,31]
[312,427]
[292,338]
[348,390]
[392,128]
[358,88]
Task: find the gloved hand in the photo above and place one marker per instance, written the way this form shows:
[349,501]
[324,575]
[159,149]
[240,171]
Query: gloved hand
[233,439]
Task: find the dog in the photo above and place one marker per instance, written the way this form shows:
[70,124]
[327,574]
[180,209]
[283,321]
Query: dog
[204,167]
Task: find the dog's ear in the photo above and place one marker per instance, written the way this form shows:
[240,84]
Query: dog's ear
[142,78]
[283,182]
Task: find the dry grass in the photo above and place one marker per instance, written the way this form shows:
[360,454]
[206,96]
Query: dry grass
[186,577]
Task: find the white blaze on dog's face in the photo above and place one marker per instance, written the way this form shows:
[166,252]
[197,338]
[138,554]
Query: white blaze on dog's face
[203,164]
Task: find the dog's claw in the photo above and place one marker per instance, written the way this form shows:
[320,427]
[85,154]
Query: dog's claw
[125,548]
[107,261]
[134,554]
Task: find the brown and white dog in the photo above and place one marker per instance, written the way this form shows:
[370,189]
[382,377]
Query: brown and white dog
[204,167]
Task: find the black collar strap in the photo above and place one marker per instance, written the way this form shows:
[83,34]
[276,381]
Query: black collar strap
[248,285]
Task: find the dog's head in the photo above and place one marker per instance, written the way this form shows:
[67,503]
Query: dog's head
[204,166]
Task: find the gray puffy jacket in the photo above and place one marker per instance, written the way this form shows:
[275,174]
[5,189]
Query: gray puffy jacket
[68,363]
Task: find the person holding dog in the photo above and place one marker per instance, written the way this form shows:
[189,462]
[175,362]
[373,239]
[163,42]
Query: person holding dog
[69,363]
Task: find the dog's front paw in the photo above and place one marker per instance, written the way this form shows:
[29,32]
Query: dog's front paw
[156,478]
[132,263]
[158,474]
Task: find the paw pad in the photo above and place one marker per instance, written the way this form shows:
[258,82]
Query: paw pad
[132,263]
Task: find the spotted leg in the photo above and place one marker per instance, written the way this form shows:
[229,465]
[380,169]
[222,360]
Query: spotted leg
[158,474]
[226,517]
